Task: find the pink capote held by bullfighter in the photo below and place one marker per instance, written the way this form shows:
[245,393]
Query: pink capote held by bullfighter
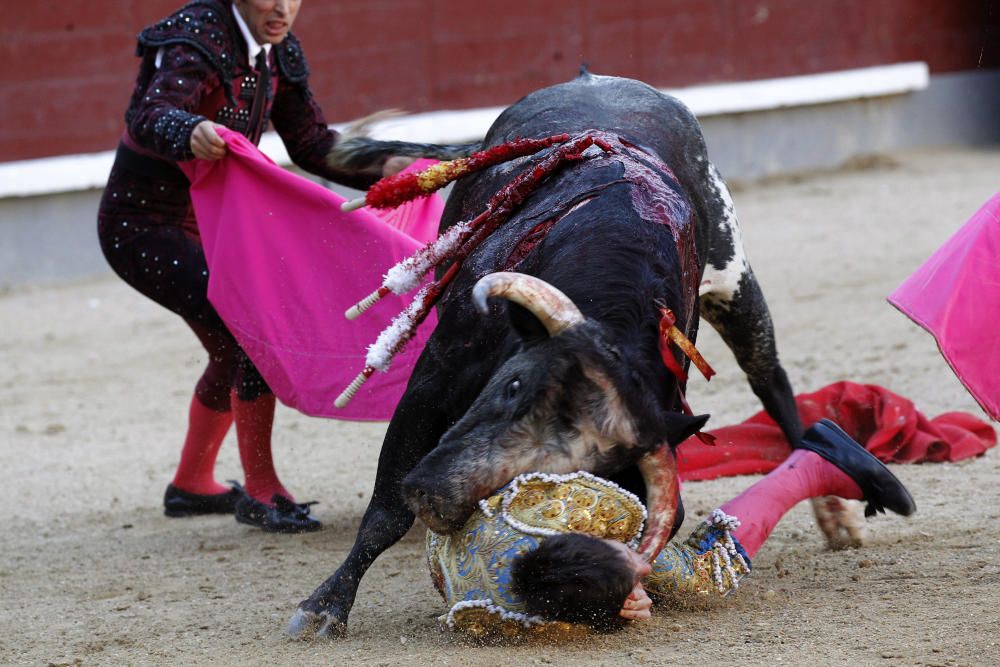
[955,296]
[285,263]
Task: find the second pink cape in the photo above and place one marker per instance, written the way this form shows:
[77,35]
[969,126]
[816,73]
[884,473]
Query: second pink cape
[955,296]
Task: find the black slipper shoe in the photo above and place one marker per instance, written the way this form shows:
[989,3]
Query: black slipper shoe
[180,503]
[284,517]
[880,487]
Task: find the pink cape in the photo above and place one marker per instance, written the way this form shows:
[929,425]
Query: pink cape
[955,296]
[285,263]
[887,424]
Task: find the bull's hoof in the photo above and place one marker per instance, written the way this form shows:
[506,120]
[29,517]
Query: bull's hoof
[841,521]
[310,624]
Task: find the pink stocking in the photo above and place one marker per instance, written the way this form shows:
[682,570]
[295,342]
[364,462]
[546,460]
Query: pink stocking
[253,433]
[207,429]
[803,475]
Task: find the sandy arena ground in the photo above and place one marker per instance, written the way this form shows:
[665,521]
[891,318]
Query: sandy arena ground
[96,382]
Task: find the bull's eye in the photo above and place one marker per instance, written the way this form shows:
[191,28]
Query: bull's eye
[513,387]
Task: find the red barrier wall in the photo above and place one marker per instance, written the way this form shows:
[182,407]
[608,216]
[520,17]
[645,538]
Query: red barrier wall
[68,66]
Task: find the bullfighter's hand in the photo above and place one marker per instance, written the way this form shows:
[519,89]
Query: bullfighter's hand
[637,605]
[206,143]
[396,164]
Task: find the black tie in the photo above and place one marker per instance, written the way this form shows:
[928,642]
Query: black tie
[261,95]
[264,70]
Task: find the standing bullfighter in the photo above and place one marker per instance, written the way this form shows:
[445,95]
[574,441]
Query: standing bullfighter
[234,64]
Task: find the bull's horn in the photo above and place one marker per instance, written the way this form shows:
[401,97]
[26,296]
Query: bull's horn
[553,309]
[659,471]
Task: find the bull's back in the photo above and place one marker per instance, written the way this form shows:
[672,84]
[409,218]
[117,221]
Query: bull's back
[627,107]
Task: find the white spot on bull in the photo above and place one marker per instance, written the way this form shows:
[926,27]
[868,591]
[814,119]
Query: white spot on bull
[723,283]
[580,204]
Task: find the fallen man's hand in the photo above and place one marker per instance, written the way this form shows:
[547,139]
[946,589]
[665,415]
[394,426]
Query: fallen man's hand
[637,605]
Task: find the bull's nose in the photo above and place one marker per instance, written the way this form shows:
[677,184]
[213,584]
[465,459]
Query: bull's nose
[412,489]
[442,515]
[416,496]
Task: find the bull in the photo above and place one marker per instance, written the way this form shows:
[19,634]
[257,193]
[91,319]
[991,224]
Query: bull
[547,354]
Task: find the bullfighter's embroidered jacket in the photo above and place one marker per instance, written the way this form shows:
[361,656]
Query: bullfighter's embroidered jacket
[472,568]
[204,74]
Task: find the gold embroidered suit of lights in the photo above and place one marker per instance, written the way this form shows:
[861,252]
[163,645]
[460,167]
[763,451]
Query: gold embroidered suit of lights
[471,568]
[709,562]
[580,506]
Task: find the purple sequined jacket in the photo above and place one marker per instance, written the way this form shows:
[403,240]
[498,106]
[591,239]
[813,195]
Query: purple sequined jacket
[204,74]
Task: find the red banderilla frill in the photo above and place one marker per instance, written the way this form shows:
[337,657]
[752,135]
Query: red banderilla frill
[669,333]
[395,190]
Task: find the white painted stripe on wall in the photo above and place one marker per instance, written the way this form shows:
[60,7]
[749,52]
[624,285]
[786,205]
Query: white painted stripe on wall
[69,173]
[793,91]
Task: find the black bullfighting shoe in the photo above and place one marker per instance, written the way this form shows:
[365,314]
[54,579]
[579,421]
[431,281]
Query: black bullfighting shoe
[881,489]
[284,517]
[180,503]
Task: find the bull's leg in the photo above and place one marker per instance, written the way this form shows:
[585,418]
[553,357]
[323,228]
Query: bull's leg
[732,302]
[414,430]
[744,323]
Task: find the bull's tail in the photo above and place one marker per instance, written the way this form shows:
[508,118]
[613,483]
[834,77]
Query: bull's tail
[365,153]
[356,151]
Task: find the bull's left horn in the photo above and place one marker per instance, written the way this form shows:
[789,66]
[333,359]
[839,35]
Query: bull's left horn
[553,309]
[659,472]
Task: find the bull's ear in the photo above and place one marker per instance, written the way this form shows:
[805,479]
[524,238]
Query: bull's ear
[680,427]
[527,326]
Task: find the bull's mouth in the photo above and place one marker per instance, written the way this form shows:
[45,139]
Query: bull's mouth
[440,515]
[437,523]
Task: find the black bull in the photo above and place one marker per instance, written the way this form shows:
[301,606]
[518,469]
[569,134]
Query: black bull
[499,393]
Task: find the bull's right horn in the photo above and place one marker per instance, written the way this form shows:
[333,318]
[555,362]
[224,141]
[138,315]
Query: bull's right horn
[659,472]
[553,309]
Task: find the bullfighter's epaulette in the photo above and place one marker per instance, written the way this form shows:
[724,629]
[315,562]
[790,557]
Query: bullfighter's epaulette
[292,61]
